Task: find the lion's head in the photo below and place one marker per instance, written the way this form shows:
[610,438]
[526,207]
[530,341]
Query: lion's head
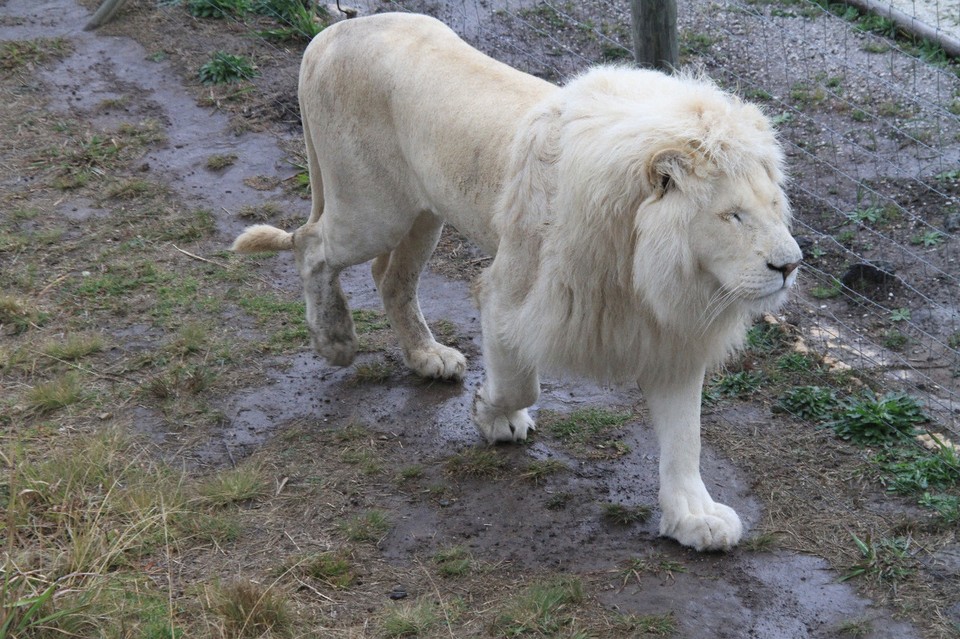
[655,207]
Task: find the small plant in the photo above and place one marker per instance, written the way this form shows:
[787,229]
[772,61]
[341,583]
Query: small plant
[900,315]
[581,425]
[370,526]
[248,609]
[477,462]
[217,8]
[375,372]
[739,384]
[765,338]
[795,363]
[543,609]
[219,162]
[331,568]
[871,421]
[75,347]
[895,340]
[59,393]
[854,628]
[822,292]
[233,486]
[647,625]
[300,20]
[912,470]
[872,214]
[928,239]
[453,562]
[654,565]
[946,506]
[812,403]
[885,560]
[626,515]
[227,68]
[538,470]
[410,619]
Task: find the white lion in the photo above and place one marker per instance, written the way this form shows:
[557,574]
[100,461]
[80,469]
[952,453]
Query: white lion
[637,222]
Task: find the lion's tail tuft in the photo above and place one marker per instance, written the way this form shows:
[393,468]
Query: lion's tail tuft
[261,238]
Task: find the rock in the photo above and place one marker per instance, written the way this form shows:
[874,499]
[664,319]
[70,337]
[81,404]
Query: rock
[951,222]
[868,277]
[398,592]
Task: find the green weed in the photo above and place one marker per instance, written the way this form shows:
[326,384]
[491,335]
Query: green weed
[869,420]
[739,384]
[226,68]
[811,403]
[217,8]
[886,559]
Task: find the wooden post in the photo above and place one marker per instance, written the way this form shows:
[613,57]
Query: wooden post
[104,14]
[655,33]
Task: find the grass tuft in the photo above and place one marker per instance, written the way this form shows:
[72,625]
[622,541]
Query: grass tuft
[626,515]
[369,526]
[410,619]
[477,462]
[249,609]
[48,397]
[544,609]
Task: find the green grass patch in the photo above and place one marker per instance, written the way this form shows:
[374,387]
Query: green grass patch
[412,619]
[584,425]
[538,470]
[454,561]
[625,515]
[545,608]
[370,526]
[249,609]
[20,54]
[237,485]
[486,463]
[50,396]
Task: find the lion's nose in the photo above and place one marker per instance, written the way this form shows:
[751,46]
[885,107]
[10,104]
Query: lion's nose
[784,269]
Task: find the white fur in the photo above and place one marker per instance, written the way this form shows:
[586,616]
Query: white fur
[637,220]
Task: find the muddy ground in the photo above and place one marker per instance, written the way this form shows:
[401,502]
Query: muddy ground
[800,492]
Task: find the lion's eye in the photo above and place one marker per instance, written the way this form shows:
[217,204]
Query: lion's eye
[736,217]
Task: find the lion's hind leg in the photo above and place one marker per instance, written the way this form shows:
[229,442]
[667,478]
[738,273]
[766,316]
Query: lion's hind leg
[328,315]
[397,275]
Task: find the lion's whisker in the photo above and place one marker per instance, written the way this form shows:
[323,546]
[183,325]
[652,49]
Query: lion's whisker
[719,302]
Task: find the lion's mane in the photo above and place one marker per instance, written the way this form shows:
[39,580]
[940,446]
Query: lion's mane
[601,280]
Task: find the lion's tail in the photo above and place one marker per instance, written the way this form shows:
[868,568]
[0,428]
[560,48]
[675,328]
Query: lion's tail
[261,238]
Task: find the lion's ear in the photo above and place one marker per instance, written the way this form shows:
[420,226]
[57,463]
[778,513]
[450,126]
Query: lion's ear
[667,170]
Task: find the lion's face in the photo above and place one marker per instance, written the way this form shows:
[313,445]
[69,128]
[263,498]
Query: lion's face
[742,240]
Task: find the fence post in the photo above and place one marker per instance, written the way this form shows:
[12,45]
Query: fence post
[655,33]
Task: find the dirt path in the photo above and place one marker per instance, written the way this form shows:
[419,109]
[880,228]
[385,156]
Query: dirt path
[745,593]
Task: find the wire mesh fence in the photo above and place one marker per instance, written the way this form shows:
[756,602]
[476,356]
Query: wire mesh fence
[868,114]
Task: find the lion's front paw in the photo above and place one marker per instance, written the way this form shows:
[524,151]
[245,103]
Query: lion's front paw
[338,350]
[437,361]
[501,426]
[716,527]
